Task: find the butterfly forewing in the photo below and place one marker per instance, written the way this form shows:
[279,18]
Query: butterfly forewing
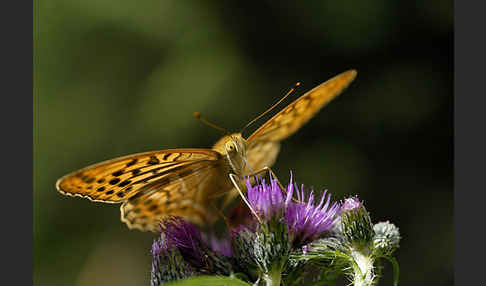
[119,179]
[296,114]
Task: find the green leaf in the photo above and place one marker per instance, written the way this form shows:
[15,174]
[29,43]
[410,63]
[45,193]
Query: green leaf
[209,281]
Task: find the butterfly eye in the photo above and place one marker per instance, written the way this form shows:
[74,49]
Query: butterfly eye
[230,146]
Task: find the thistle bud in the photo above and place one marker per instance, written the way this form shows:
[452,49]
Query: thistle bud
[386,239]
[356,223]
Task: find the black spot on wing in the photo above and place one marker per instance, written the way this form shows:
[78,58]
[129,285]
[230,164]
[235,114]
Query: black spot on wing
[153,160]
[131,163]
[124,183]
[118,173]
[152,208]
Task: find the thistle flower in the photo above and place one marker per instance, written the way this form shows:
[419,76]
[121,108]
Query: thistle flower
[185,236]
[307,221]
[181,252]
[284,225]
[167,263]
[267,200]
[243,250]
[282,242]
[220,245]
[267,243]
[161,247]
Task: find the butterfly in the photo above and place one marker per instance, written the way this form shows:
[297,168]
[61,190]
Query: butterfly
[186,182]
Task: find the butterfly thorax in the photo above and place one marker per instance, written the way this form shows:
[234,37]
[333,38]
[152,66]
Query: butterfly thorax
[233,147]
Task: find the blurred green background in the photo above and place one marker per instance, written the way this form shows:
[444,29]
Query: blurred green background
[120,77]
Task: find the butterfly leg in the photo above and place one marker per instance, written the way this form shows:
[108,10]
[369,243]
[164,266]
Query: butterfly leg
[234,179]
[268,169]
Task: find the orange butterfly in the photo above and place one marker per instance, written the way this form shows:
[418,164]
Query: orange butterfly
[184,182]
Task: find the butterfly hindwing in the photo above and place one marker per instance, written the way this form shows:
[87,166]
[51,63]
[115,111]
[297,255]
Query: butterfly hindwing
[261,154]
[187,196]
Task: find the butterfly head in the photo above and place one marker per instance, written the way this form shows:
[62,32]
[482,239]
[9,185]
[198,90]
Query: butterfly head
[233,147]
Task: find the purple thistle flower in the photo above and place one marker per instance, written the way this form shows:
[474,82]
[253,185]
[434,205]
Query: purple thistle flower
[306,221]
[221,246]
[267,200]
[167,263]
[183,235]
[161,247]
[181,251]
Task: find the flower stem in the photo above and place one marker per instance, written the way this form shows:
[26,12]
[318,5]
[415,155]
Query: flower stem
[363,274]
[273,277]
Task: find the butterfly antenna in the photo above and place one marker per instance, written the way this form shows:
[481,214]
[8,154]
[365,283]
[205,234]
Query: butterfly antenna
[272,107]
[210,124]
